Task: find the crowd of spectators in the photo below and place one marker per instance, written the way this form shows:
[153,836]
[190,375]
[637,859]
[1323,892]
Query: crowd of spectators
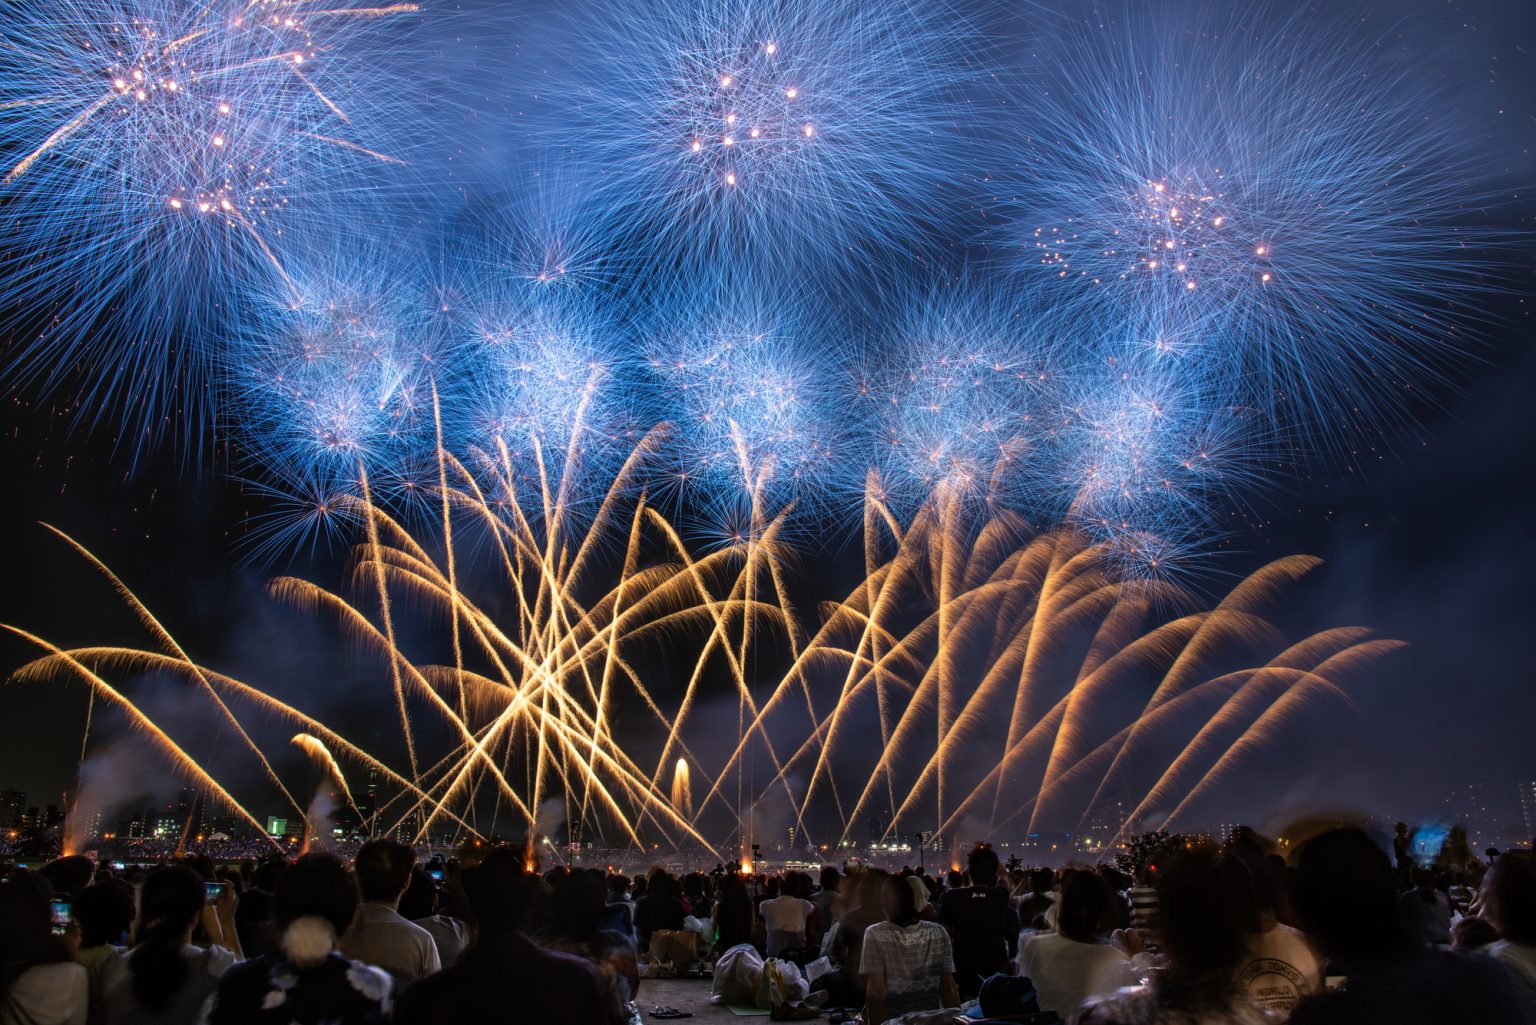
[1341,930]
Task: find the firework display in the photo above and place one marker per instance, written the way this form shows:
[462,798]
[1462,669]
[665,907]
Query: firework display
[1034,313]
[156,155]
[951,652]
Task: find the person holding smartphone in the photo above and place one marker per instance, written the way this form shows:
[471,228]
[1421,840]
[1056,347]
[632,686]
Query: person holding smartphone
[40,983]
[164,979]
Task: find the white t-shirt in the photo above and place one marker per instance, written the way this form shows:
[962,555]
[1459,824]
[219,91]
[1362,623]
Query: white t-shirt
[450,935]
[48,994]
[382,938]
[914,959]
[784,918]
[788,914]
[1066,972]
[1279,971]
[118,1003]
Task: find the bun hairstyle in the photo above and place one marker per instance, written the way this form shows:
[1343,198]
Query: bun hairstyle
[314,903]
[169,905]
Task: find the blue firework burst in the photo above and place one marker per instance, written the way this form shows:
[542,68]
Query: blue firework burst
[774,131]
[754,398]
[339,381]
[960,399]
[155,155]
[1269,182]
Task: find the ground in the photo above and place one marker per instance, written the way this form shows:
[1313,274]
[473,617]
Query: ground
[685,995]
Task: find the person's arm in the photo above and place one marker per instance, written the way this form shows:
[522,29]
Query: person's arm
[431,960]
[1011,932]
[875,993]
[813,925]
[948,991]
[219,922]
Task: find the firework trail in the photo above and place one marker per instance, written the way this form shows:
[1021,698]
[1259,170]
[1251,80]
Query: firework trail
[993,663]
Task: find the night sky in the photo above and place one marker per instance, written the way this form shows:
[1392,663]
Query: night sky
[1426,537]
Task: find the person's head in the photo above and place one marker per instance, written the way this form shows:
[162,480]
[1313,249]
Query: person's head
[169,906]
[983,864]
[829,879]
[26,926]
[1346,892]
[1084,907]
[1200,933]
[618,887]
[1509,896]
[105,911]
[870,884]
[1402,829]
[383,869]
[265,876]
[733,893]
[578,905]
[70,874]
[919,893]
[1042,880]
[898,900]
[420,897]
[203,865]
[1473,934]
[314,904]
[499,895]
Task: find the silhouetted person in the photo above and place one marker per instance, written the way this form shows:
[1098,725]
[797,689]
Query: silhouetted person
[105,912]
[39,983]
[1509,900]
[381,935]
[1205,945]
[907,963]
[577,913]
[660,908]
[504,976]
[982,924]
[164,979]
[306,981]
[1073,963]
[732,915]
[420,904]
[1346,890]
[1034,904]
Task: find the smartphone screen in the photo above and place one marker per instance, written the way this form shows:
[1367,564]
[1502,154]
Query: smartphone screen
[214,892]
[60,909]
[436,874]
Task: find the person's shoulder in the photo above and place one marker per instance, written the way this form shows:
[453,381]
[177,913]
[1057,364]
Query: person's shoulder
[62,973]
[559,960]
[113,963]
[214,959]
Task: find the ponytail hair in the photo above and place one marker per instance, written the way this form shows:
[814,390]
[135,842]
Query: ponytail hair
[171,901]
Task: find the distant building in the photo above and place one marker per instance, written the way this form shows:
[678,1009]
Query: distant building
[1489,810]
[13,805]
[1528,809]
